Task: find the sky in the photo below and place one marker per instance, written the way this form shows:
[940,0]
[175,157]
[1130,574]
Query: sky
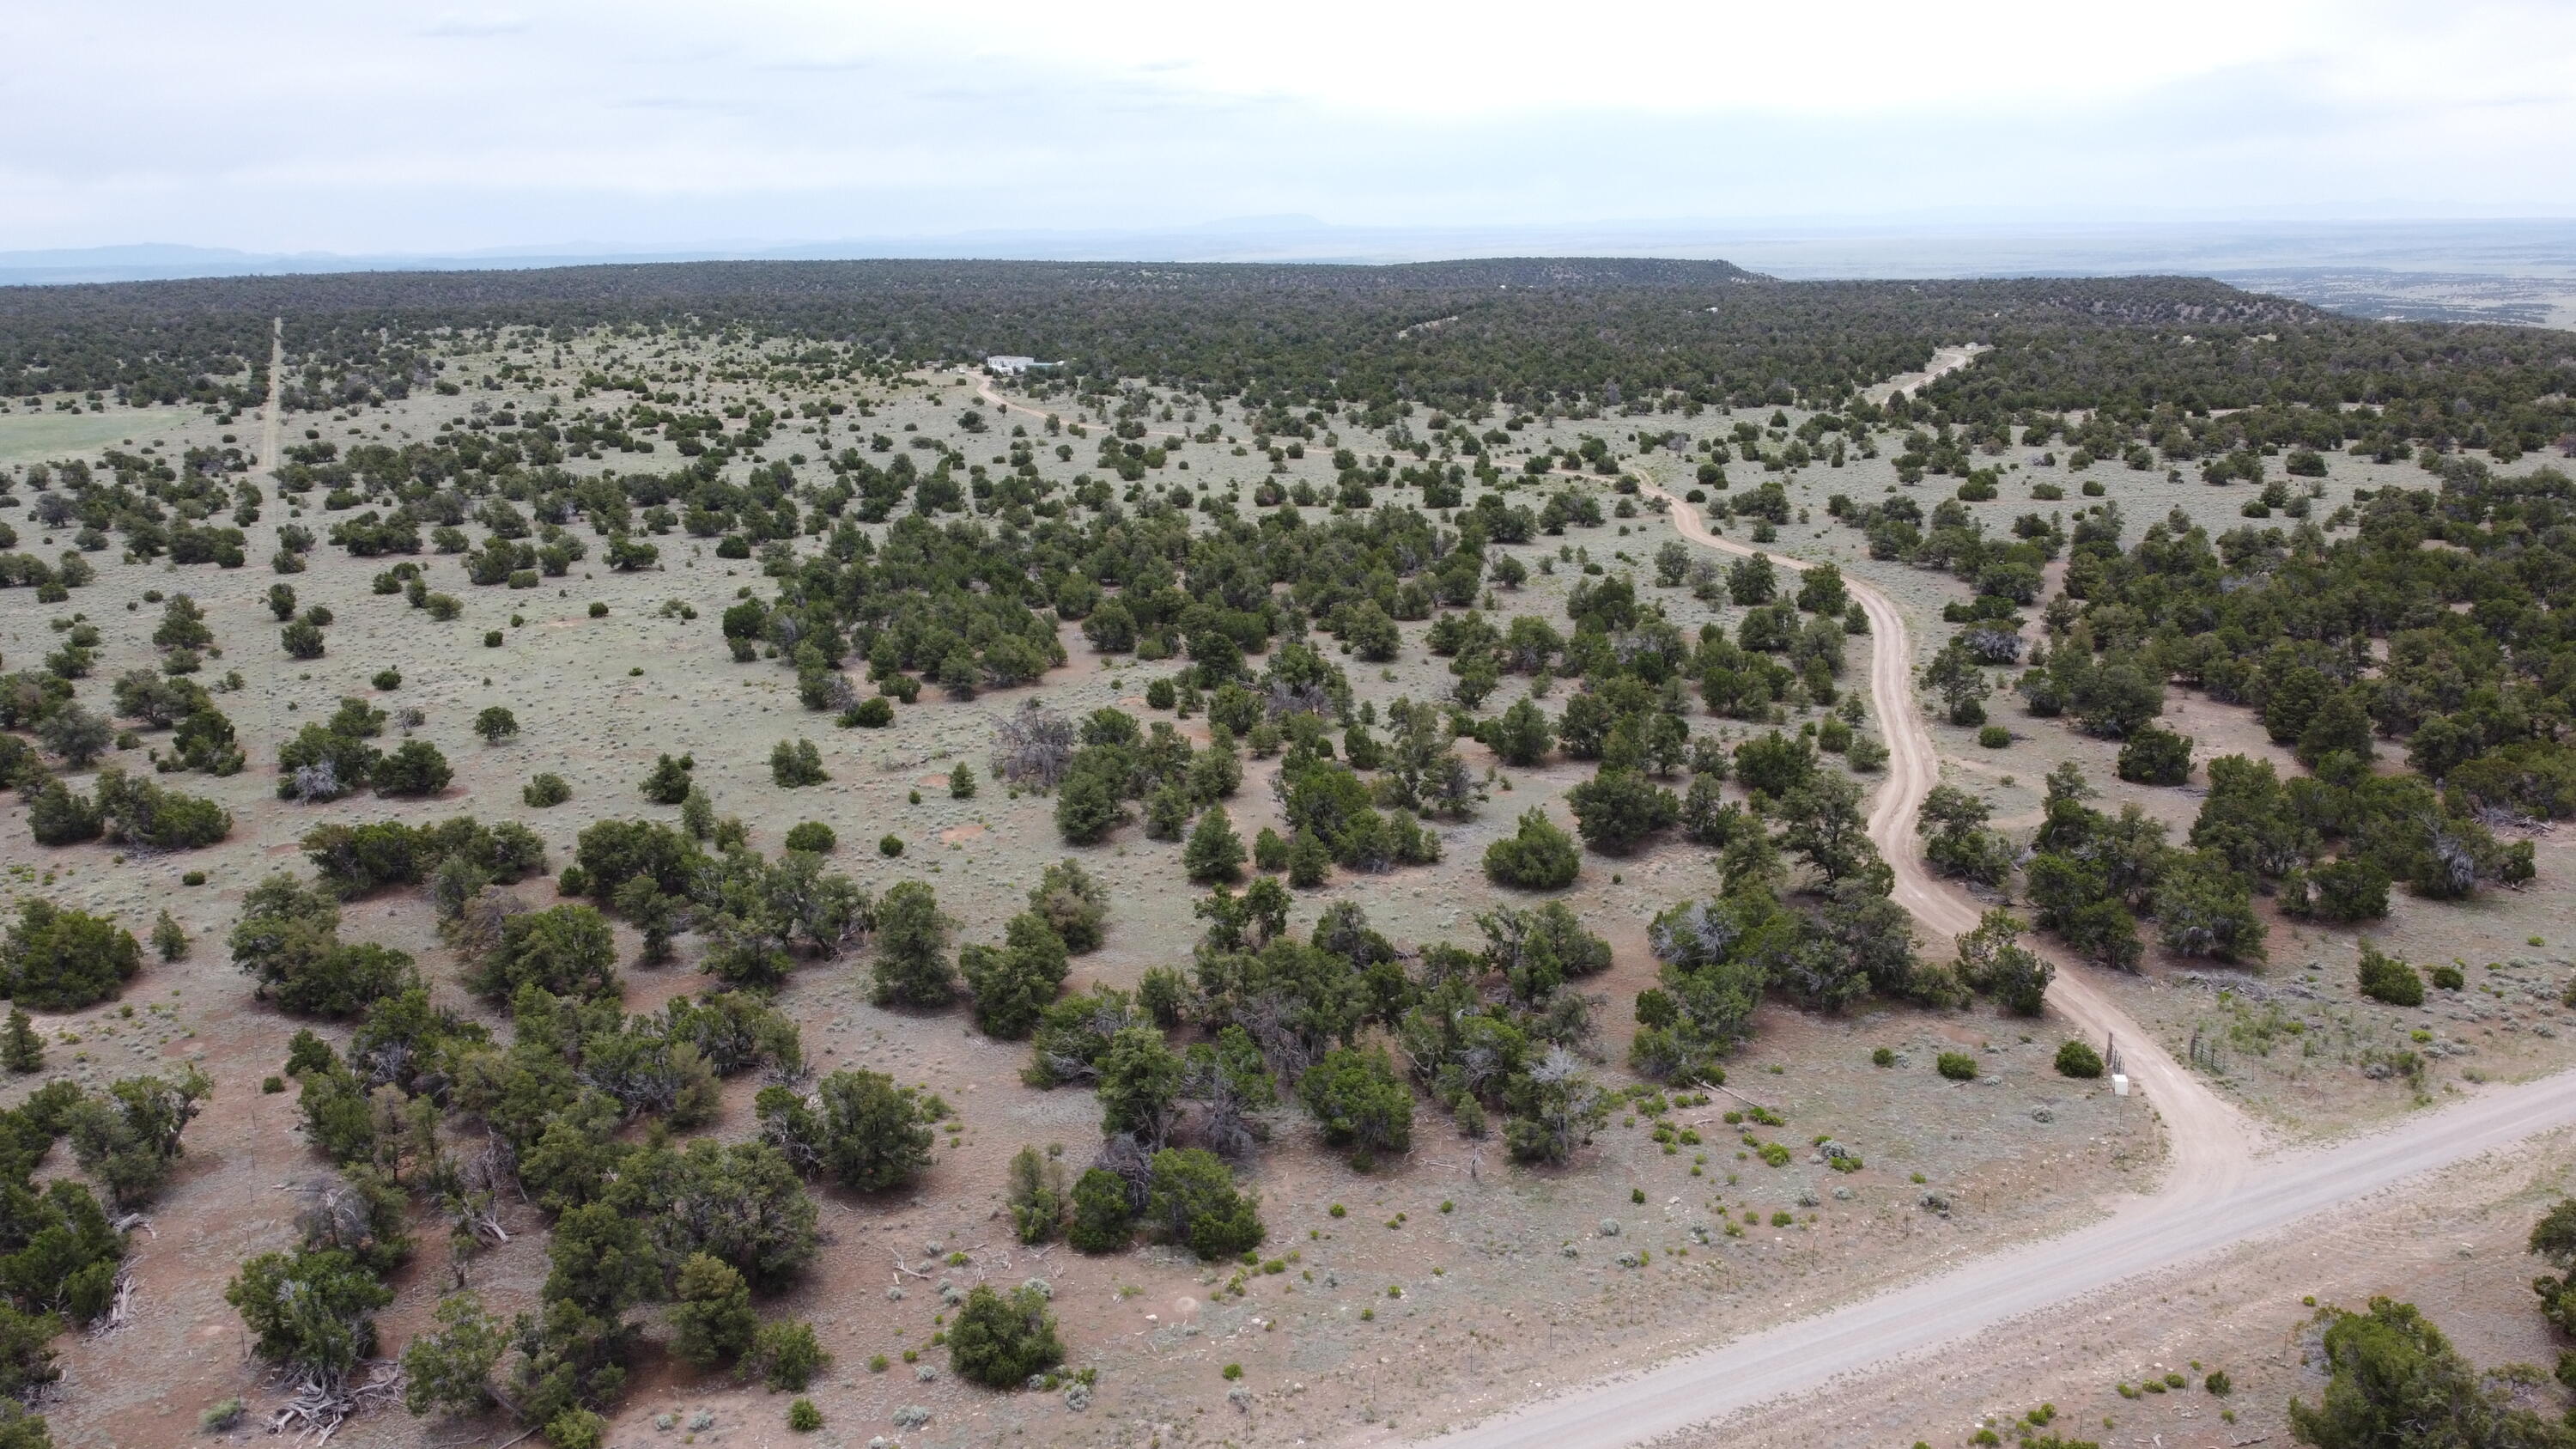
[318,125]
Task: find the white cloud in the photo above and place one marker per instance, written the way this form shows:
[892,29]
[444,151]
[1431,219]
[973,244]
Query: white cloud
[474,27]
[297,124]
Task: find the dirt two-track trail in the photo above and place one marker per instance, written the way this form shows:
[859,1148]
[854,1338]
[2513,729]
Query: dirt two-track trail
[2219,1187]
[270,430]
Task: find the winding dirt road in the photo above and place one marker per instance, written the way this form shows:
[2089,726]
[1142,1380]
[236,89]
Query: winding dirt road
[2208,1140]
[2210,1198]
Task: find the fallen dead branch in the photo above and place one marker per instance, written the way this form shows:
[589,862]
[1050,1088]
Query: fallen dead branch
[120,1304]
[322,1402]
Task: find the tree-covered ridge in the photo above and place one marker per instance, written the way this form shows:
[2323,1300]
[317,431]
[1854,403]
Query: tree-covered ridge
[1527,330]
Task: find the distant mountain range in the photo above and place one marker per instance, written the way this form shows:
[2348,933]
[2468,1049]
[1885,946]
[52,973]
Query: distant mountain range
[2453,269]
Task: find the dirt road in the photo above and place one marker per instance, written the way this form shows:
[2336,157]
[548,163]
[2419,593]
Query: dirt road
[2209,1141]
[2154,1233]
[1944,360]
[2210,1198]
[270,429]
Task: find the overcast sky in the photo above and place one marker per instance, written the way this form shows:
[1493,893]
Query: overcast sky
[325,125]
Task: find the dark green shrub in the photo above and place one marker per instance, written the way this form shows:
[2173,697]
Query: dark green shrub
[1087,809]
[1994,737]
[60,816]
[858,1128]
[55,959]
[1011,985]
[1165,994]
[1102,1220]
[1003,1341]
[796,763]
[576,1429]
[1214,852]
[1617,809]
[1036,1195]
[301,640]
[388,679]
[811,835]
[2154,756]
[128,1139]
[1536,857]
[546,789]
[2078,1059]
[1191,1200]
[668,782]
[414,768]
[139,812]
[1310,860]
[872,713]
[890,846]
[21,1050]
[564,950]
[1359,1102]
[712,1321]
[2385,978]
[1957,1066]
[2448,978]
[912,966]
[324,763]
[1073,904]
[310,1311]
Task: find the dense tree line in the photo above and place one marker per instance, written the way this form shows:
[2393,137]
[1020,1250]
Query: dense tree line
[1602,332]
